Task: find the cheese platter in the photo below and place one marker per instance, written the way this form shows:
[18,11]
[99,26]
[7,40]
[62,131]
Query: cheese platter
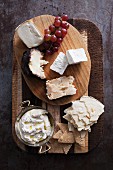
[62,139]
[81,72]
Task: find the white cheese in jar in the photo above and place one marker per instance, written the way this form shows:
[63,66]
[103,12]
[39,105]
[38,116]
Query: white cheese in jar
[35,126]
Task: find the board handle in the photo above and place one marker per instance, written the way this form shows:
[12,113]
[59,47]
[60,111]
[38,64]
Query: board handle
[45,150]
[24,104]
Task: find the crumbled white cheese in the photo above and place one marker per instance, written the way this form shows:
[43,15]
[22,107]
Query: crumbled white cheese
[84,113]
[36,63]
[29,34]
[60,87]
[75,56]
[60,63]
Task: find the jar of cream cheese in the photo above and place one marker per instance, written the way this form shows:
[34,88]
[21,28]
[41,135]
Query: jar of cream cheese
[34,126]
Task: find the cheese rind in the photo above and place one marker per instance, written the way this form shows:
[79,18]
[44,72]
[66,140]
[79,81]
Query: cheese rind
[75,56]
[29,34]
[60,63]
[60,87]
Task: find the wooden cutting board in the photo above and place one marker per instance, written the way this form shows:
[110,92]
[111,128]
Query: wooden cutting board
[20,91]
[81,72]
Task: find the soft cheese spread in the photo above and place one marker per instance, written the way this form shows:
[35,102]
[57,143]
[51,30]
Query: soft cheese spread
[35,126]
[29,34]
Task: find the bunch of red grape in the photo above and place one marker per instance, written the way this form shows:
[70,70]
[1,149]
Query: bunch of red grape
[54,35]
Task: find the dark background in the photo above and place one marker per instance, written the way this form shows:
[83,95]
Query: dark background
[12,13]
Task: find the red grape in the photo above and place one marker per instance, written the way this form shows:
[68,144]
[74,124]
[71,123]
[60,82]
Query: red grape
[47,31]
[60,28]
[59,40]
[58,18]
[53,38]
[64,32]
[48,52]
[58,33]
[52,28]
[65,25]
[55,49]
[47,37]
[64,18]
[46,45]
[56,44]
[57,23]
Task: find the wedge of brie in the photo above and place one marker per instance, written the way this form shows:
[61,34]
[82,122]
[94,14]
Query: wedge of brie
[60,63]
[29,34]
[60,87]
[75,56]
[37,63]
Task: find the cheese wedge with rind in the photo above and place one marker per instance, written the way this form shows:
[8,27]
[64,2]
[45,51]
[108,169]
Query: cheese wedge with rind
[29,34]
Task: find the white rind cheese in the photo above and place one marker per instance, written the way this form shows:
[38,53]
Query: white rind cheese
[84,113]
[60,87]
[75,56]
[60,63]
[37,63]
[29,34]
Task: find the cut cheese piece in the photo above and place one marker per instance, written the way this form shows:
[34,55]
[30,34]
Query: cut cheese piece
[29,34]
[75,56]
[60,87]
[36,63]
[60,63]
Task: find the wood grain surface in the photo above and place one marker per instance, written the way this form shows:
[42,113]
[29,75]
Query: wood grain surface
[81,72]
[87,29]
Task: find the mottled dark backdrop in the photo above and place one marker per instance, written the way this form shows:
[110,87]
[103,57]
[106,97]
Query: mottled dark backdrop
[12,13]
